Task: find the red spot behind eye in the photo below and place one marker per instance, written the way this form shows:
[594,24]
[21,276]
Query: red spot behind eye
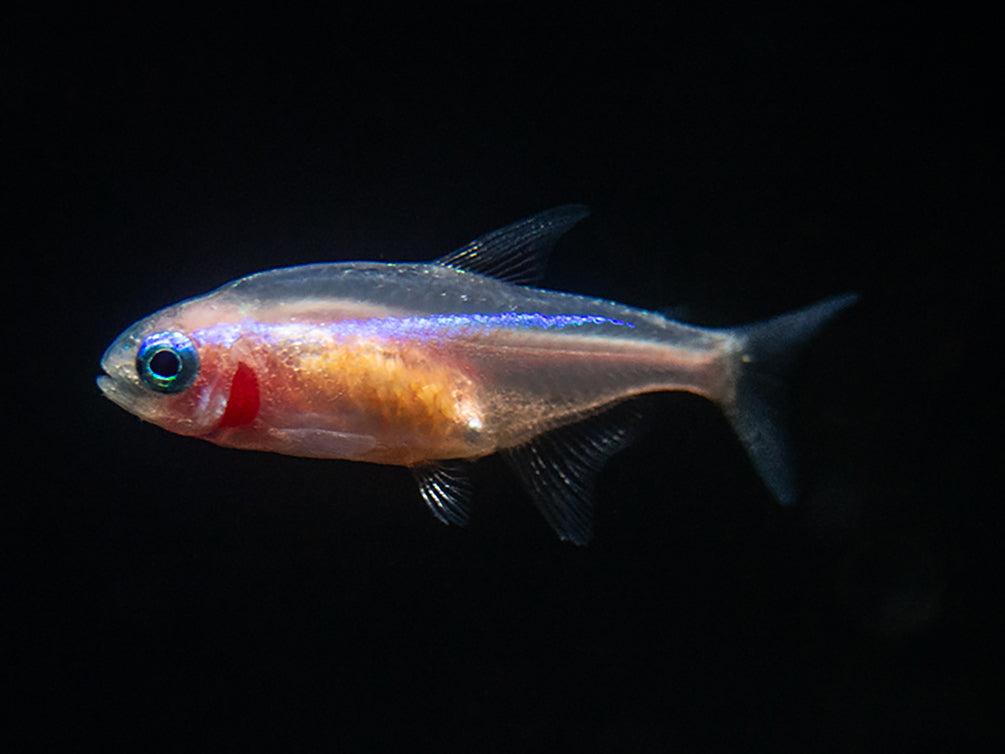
[244,401]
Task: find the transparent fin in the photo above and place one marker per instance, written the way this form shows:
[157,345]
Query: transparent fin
[519,252]
[446,488]
[759,406]
[559,468]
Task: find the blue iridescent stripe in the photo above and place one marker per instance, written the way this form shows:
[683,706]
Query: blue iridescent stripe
[435,325]
[499,321]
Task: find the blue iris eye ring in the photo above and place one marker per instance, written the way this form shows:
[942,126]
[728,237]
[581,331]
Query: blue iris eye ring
[167,362]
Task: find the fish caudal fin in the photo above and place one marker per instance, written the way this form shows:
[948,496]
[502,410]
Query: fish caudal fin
[759,404]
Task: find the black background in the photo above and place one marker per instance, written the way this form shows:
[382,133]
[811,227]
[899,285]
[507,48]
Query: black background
[164,593]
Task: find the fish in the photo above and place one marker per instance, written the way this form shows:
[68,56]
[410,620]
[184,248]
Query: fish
[435,365]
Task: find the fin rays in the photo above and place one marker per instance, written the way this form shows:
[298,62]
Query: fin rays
[559,468]
[446,488]
[519,252]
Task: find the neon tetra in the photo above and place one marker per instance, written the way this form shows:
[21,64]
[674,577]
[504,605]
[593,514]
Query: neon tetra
[434,365]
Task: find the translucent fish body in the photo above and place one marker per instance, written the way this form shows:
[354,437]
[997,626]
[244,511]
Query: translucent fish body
[432,365]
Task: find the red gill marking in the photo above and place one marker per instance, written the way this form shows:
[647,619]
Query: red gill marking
[244,400]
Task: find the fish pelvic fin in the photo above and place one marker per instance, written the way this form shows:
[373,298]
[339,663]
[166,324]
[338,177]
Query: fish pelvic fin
[758,407]
[445,487]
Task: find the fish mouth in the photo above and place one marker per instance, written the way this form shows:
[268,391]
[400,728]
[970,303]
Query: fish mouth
[114,384]
[112,391]
[106,384]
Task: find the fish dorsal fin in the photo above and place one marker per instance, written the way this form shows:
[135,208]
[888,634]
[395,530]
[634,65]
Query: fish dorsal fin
[446,488]
[559,468]
[519,252]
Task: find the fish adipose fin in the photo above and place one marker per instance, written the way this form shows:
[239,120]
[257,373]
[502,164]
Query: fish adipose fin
[559,468]
[445,487]
[759,405]
[519,252]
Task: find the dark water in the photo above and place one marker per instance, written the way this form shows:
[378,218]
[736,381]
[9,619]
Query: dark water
[162,592]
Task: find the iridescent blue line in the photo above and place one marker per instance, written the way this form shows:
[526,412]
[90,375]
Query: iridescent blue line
[499,321]
[435,325]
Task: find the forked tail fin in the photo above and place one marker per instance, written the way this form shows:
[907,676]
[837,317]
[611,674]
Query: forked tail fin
[759,404]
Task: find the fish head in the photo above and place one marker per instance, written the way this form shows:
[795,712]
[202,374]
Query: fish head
[159,370]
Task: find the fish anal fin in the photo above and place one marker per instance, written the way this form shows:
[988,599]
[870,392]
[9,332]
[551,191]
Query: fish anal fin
[445,487]
[519,252]
[559,468]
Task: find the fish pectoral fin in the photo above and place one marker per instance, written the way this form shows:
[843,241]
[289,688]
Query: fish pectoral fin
[321,443]
[559,468]
[519,252]
[445,487]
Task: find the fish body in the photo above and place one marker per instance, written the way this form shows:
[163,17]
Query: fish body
[432,366]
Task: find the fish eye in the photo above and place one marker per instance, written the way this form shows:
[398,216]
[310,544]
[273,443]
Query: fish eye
[167,362]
